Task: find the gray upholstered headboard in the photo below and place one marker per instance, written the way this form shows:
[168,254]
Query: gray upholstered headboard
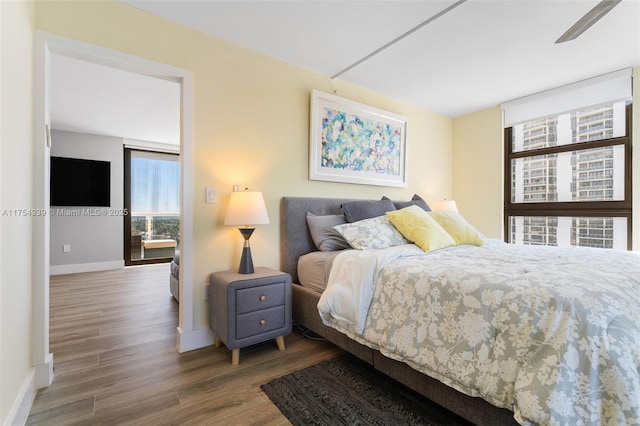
[295,239]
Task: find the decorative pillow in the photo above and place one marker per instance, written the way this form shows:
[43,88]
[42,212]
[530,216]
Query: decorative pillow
[416,200]
[459,229]
[374,233]
[366,209]
[324,236]
[421,229]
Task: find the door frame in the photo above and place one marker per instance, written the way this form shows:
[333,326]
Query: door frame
[46,45]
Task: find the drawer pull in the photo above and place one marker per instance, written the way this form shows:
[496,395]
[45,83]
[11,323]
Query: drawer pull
[263,297]
[262,322]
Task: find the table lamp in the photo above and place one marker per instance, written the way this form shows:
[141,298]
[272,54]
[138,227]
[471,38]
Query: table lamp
[446,206]
[246,208]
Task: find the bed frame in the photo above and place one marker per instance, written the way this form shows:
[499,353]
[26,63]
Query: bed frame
[295,241]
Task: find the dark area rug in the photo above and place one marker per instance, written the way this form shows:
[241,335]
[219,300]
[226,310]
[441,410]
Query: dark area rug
[347,391]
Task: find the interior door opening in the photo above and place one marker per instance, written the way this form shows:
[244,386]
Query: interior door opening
[46,46]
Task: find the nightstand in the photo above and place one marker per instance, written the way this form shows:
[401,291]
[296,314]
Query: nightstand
[245,309]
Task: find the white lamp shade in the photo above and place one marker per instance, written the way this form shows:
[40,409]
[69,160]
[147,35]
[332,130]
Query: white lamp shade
[246,208]
[446,206]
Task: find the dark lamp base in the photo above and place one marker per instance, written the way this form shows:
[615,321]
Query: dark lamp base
[246,263]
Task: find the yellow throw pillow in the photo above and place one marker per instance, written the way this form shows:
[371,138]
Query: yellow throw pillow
[417,226]
[459,229]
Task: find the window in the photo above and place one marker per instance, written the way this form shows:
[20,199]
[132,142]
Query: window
[568,178]
[152,198]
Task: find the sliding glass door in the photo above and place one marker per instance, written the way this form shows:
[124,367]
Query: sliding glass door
[152,197]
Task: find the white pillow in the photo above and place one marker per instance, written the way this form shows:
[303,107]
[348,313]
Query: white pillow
[374,233]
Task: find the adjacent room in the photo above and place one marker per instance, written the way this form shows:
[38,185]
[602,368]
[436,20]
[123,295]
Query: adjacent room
[114,178]
[285,212]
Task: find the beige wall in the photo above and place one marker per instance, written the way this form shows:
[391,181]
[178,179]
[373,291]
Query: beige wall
[251,126]
[478,169]
[16,170]
[478,164]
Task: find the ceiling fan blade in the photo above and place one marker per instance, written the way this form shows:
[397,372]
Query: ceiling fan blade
[588,20]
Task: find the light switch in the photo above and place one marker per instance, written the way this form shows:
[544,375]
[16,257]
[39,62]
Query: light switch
[211,195]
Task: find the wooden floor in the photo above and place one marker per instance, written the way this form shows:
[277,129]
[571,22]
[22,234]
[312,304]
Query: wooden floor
[113,338]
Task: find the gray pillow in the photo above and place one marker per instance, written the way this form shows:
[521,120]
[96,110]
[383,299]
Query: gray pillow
[366,209]
[416,200]
[324,236]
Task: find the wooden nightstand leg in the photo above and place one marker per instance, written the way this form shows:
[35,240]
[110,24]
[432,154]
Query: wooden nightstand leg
[280,342]
[235,356]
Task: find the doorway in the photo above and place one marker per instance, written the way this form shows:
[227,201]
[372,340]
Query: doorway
[46,45]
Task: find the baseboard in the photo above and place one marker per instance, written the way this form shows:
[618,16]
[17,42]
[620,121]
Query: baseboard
[85,267]
[22,405]
[195,339]
[44,373]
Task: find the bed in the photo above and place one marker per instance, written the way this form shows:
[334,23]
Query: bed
[620,380]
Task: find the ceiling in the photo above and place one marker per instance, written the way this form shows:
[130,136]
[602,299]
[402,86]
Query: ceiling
[479,54]
[475,56]
[91,98]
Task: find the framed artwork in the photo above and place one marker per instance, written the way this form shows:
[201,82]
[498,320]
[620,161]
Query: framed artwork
[355,143]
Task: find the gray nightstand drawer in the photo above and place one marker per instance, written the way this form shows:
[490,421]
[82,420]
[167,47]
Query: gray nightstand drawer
[260,322]
[246,309]
[258,298]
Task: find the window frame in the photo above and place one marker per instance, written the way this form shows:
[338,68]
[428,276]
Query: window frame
[128,261]
[620,208]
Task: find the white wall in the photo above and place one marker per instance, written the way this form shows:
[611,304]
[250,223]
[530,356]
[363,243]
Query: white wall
[96,241]
[16,181]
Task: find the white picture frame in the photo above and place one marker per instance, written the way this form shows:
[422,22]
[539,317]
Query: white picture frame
[352,142]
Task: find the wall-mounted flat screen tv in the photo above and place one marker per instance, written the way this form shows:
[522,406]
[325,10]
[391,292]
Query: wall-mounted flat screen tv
[75,182]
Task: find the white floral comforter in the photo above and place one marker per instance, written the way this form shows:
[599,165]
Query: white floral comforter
[552,334]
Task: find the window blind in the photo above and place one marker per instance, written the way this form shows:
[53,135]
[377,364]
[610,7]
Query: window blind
[611,87]
[155,182]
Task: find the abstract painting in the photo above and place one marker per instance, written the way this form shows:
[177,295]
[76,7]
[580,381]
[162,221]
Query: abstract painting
[355,143]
